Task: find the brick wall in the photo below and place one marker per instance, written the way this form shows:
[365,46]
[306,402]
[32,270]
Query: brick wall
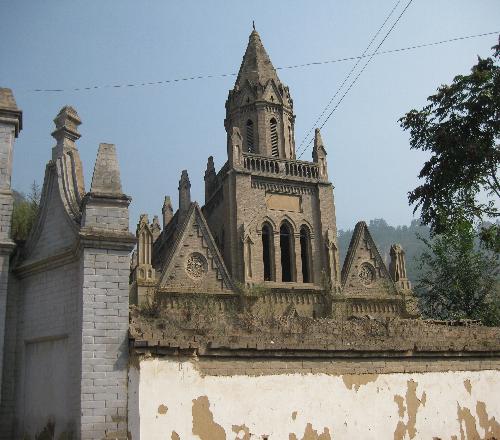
[104,343]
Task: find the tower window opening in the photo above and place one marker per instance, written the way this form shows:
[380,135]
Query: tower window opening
[274,138]
[267,251]
[305,254]
[286,247]
[250,140]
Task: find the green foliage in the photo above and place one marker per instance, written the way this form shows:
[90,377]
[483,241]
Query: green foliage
[459,279]
[460,128]
[24,212]
[385,235]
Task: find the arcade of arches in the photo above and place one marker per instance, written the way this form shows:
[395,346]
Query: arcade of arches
[286,258]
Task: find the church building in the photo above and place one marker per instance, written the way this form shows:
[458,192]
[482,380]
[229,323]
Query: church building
[227,320]
[268,218]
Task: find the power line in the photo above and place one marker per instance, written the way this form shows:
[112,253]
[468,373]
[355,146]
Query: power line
[296,66]
[349,74]
[360,73]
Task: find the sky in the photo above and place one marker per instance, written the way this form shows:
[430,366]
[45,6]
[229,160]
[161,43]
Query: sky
[162,129]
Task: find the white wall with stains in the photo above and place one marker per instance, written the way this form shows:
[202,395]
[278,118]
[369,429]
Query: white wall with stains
[171,399]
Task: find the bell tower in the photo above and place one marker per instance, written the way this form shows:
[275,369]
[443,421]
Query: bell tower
[273,216]
[260,106]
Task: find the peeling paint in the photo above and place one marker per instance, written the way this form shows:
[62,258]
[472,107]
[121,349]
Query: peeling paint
[490,426]
[400,401]
[412,405]
[468,385]
[203,421]
[357,380]
[162,409]
[465,418]
[312,434]
[242,432]
[242,407]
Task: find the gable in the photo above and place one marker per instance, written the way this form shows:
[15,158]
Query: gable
[54,231]
[364,271]
[194,263]
[247,94]
[271,93]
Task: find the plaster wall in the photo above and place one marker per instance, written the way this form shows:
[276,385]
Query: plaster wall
[48,351]
[191,399]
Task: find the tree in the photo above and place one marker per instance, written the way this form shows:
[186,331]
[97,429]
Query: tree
[25,212]
[459,279]
[460,127]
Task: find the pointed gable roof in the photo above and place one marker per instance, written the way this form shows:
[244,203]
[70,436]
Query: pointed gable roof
[364,271]
[256,66]
[193,263]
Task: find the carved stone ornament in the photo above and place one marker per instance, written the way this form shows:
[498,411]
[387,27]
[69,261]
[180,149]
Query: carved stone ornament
[196,266]
[367,274]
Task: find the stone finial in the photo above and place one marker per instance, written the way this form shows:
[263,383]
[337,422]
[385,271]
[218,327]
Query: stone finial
[155,228]
[167,211]
[106,177]
[143,220]
[184,193]
[210,167]
[210,177]
[9,112]
[397,267]
[235,147]
[66,132]
[319,154]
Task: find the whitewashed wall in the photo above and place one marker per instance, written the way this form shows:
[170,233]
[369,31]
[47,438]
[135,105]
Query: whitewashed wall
[175,400]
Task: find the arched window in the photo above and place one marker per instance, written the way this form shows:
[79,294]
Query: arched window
[267,251]
[249,133]
[274,138]
[305,254]
[287,253]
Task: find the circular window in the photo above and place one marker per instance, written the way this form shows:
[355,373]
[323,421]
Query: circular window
[367,274]
[196,266]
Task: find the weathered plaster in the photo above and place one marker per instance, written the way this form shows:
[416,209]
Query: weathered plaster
[310,406]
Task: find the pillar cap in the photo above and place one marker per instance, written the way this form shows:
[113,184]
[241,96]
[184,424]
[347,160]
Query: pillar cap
[9,112]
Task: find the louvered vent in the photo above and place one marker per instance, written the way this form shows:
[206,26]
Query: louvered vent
[250,144]
[274,138]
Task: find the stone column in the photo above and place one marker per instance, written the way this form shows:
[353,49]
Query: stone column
[10,126]
[106,244]
[277,257]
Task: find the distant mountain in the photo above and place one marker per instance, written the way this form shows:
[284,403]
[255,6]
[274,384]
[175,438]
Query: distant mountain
[386,235]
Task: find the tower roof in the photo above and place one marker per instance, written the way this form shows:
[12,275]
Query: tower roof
[256,66]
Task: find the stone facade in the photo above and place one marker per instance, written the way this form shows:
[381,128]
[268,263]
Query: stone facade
[270,216]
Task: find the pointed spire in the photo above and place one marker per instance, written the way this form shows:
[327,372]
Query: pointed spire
[319,154]
[106,177]
[210,177]
[256,66]
[66,132]
[184,193]
[167,211]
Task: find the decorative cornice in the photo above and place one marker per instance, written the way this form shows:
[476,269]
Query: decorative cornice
[106,239]
[65,256]
[12,117]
